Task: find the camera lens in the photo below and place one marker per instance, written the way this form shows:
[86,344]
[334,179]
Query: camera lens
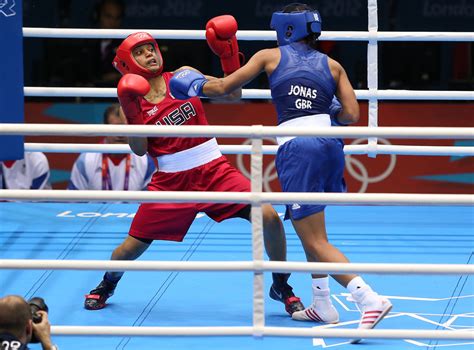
[37,304]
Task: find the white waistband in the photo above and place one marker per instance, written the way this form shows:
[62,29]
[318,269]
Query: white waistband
[190,158]
[314,121]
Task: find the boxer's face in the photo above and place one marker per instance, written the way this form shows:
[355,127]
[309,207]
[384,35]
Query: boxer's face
[147,57]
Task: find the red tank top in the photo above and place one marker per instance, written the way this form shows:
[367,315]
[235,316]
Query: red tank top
[172,111]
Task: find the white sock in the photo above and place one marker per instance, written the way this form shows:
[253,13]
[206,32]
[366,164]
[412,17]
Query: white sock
[356,283]
[321,283]
[363,294]
[322,303]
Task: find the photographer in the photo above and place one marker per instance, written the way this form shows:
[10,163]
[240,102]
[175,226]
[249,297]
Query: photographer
[17,327]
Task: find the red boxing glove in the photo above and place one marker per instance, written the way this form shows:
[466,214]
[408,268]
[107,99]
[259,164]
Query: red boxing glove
[220,35]
[130,87]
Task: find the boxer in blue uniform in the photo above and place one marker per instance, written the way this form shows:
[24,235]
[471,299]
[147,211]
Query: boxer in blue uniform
[303,83]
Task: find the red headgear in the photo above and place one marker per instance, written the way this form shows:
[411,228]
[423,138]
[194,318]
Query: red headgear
[124,61]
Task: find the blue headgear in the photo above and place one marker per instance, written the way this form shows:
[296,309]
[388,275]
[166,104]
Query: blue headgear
[294,26]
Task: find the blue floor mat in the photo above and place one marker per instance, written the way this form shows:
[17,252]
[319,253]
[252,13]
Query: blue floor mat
[441,235]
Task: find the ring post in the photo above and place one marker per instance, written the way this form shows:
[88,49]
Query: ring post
[257,232]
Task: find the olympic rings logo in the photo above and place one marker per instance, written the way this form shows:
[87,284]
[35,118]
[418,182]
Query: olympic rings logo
[269,172]
[362,175]
[355,167]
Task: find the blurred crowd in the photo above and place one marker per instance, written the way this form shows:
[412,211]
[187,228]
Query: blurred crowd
[87,62]
[91,171]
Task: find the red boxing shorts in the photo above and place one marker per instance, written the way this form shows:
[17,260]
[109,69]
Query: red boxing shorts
[171,221]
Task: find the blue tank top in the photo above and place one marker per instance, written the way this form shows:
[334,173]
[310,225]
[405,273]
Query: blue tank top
[302,83]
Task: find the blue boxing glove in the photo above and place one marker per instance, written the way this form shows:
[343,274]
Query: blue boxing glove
[334,110]
[187,83]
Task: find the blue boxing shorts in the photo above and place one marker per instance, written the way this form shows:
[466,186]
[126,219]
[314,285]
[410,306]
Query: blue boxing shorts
[310,164]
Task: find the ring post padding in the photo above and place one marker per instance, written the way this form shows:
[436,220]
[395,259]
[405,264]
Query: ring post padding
[257,232]
[372,73]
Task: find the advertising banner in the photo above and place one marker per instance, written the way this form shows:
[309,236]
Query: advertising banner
[385,173]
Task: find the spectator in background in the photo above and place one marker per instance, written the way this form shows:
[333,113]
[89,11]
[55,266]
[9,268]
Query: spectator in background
[96,171]
[108,14]
[86,62]
[31,172]
[17,327]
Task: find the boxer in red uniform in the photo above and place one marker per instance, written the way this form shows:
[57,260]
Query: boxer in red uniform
[185,164]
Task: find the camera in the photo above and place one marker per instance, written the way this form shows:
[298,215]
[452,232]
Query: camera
[37,304]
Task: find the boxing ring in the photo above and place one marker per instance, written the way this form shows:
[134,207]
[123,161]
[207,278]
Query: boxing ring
[209,291]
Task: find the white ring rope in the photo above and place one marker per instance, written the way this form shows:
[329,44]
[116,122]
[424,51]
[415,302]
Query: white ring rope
[264,331]
[252,35]
[38,91]
[236,266]
[254,198]
[461,151]
[254,131]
